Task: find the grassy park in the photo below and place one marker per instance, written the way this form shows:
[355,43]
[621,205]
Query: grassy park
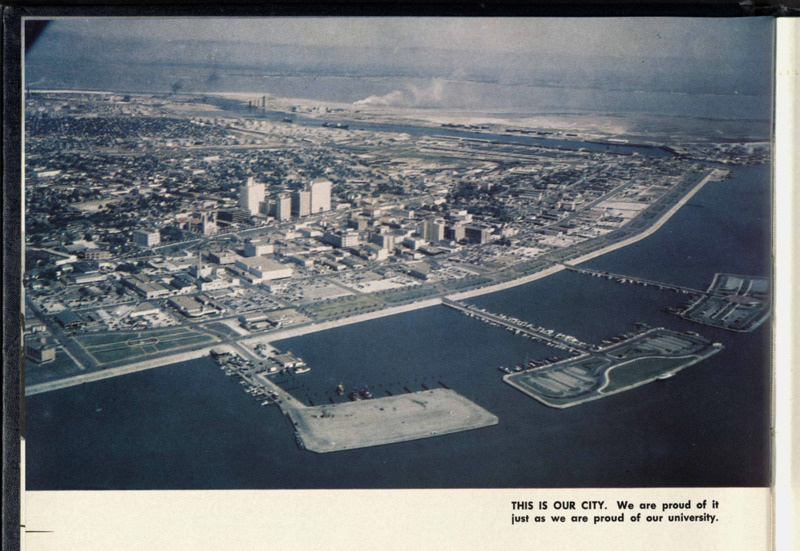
[132,345]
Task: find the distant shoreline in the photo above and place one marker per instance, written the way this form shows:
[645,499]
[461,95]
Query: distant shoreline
[591,123]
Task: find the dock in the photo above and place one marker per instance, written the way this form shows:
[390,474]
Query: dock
[361,422]
[388,420]
[520,327]
[621,278]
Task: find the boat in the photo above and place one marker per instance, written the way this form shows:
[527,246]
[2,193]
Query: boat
[340,389]
[665,376]
[303,369]
[365,393]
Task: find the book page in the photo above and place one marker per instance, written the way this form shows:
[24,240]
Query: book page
[403,282]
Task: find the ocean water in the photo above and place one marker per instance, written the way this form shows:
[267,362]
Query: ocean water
[188,426]
[654,90]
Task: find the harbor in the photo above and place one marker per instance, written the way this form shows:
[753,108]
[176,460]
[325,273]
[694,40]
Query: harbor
[621,364]
[523,328]
[620,278]
[360,276]
[363,422]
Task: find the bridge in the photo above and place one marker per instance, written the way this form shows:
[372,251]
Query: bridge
[519,327]
[621,278]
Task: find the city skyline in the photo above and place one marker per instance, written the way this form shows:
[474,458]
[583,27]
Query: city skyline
[403,250]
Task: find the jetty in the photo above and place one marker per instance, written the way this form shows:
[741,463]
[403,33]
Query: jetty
[520,327]
[622,278]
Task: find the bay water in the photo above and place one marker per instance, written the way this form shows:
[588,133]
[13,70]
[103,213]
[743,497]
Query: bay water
[188,426]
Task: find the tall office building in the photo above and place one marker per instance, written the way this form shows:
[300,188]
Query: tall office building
[283,207]
[476,234]
[203,223]
[431,230]
[320,195]
[455,232]
[301,203]
[250,195]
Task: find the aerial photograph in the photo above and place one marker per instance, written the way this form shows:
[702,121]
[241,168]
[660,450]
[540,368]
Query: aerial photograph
[397,253]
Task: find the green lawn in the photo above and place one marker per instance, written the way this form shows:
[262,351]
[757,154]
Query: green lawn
[96,339]
[466,283]
[590,364]
[643,369]
[128,352]
[125,345]
[409,293]
[346,306]
[61,367]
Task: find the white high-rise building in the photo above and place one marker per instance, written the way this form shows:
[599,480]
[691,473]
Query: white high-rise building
[283,207]
[250,195]
[431,230]
[320,195]
[301,203]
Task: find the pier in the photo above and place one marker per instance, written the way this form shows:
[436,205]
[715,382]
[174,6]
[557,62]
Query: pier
[620,278]
[520,327]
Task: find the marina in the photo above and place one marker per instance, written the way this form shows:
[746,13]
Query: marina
[620,278]
[437,345]
[365,421]
[732,302]
[519,327]
[351,272]
[621,364]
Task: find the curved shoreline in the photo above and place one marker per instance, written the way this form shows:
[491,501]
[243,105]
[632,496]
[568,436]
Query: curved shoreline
[598,395]
[651,229]
[594,254]
[322,326]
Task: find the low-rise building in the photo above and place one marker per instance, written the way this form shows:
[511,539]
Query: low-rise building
[142,285]
[222,258]
[146,238]
[144,309]
[264,269]
[40,350]
[287,361]
[191,307]
[69,319]
[342,239]
[258,247]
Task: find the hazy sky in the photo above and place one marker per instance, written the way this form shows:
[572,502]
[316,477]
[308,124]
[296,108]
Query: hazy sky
[630,37]
[412,61]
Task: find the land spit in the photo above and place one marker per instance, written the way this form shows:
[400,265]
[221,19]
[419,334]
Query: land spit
[400,418]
